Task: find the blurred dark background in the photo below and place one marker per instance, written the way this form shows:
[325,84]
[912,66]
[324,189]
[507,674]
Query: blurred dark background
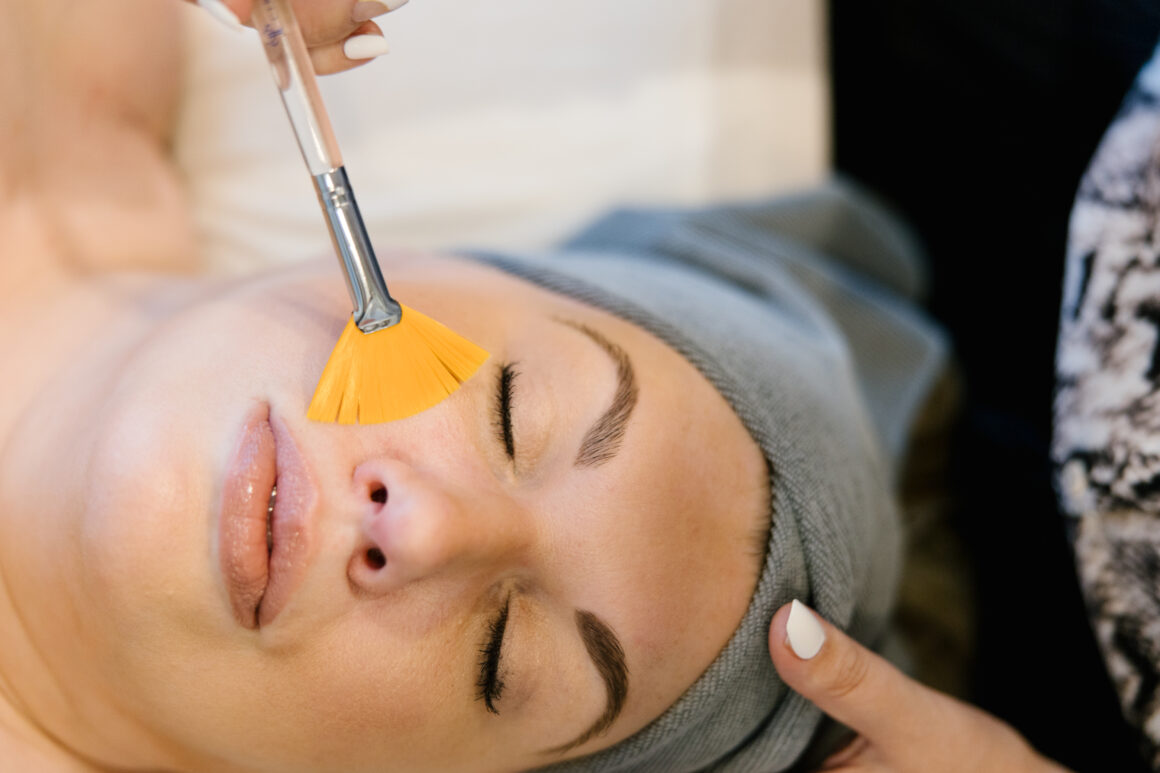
[976,120]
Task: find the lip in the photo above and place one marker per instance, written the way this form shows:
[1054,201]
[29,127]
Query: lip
[258,580]
[291,524]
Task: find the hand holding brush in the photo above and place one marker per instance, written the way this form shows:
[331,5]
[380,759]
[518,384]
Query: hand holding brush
[391,361]
[340,34]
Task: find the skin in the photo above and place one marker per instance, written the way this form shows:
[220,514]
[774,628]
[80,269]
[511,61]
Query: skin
[128,381]
[325,27]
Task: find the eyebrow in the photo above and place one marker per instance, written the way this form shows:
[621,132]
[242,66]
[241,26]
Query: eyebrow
[608,656]
[604,437]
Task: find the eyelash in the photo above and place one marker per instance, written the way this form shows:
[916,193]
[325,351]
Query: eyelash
[489,686]
[504,391]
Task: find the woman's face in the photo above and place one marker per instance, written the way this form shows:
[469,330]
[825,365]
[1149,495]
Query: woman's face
[484,586]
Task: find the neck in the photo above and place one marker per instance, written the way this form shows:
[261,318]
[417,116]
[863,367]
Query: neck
[25,744]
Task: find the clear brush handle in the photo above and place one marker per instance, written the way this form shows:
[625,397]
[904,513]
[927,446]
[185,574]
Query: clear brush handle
[294,77]
[374,308]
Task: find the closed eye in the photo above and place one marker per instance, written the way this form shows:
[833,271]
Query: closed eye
[489,685]
[504,392]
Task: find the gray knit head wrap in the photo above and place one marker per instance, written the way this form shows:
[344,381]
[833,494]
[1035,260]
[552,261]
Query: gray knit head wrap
[796,311]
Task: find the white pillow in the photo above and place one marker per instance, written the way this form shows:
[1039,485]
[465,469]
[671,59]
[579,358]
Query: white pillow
[508,123]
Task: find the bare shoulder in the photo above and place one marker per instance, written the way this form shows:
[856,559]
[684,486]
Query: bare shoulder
[90,98]
[120,53]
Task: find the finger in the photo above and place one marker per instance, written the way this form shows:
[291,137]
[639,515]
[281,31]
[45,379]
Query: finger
[321,24]
[331,22]
[364,45]
[365,10]
[325,23]
[845,680]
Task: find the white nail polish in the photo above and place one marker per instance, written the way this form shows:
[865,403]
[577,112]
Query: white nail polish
[803,631]
[364,47]
[395,5]
[219,10]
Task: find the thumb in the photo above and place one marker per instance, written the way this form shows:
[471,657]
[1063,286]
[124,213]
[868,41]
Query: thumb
[845,680]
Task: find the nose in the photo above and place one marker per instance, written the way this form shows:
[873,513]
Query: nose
[421,523]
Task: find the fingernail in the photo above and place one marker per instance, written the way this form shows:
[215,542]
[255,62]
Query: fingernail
[367,10]
[364,47]
[221,12]
[803,631]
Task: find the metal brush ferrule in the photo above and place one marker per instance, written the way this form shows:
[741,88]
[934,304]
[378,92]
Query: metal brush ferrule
[374,308]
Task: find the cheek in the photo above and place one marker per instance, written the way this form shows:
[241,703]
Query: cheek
[144,533]
[350,697]
[358,695]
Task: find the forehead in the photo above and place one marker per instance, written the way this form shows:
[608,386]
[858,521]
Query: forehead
[683,500]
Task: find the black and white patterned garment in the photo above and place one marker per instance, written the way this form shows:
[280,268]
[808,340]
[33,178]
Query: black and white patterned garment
[1107,411]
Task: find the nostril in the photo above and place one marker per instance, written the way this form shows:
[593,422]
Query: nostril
[379,495]
[375,559]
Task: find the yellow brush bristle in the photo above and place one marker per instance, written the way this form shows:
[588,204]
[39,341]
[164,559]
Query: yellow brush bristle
[392,373]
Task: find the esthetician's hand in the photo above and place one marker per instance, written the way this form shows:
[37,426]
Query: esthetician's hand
[339,33]
[902,726]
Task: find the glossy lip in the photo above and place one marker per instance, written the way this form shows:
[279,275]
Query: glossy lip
[249,478]
[291,525]
[260,582]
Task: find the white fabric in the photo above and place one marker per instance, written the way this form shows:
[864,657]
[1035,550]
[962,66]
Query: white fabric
[509,123]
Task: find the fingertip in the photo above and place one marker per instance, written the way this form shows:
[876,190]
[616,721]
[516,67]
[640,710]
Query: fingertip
[838,674]
[796,631]
[804,631]
[364,45]
[359,48]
